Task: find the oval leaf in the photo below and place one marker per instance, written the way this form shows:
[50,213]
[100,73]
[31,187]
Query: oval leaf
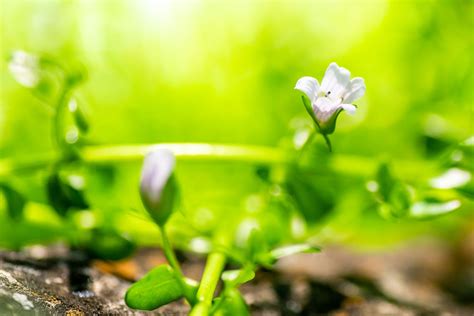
[285,251]
[158,287]
[233,278]
[430,209]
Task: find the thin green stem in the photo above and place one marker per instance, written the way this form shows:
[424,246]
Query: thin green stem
[169,252]
[328,142]
[214,266]
[189,151]
[58,127]
[173,261]
[351,165]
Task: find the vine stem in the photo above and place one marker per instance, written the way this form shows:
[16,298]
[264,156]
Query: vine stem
[58,127]
[189,151]
[347,164]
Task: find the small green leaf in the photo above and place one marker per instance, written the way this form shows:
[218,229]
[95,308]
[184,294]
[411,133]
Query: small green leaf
[158,287]
[231,304]
[399,200]
[385,181]
[285,251]
[63,195]
[109,245]
[256,245]
[431,208]
[394,196]
[14,200]
[79,115]
[233,278]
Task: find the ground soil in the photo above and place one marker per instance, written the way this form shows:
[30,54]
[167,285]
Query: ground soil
[425,278]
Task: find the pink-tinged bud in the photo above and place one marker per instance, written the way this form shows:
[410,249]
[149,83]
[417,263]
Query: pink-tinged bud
[158,187]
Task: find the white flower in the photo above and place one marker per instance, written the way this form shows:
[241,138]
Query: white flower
[336,93]
[157,185]
[24,67]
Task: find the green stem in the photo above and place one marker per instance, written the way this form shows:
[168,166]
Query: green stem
[351,165]
[328,142]
[169,253]
[189,151]
[214,266]
[171,257]
[58,127]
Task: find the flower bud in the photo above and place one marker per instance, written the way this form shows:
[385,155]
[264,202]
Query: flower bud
[158,187]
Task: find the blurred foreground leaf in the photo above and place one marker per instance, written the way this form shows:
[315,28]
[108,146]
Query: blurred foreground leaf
[63,195]
[15,201]
[110,245]
[429,209]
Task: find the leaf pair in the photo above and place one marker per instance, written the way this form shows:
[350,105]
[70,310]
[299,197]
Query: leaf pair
[397,199]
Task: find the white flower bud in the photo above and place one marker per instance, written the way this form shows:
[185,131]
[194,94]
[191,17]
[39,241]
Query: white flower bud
[158,187]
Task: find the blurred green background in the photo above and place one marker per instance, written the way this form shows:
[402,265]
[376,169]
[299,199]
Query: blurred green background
[224,72]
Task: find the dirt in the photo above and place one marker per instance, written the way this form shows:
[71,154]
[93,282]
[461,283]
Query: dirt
[426,278]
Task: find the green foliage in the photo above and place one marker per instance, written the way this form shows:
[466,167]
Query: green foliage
[158,287]
[109,245]
[63,195]
[15,201]
[397,199]
[229,304]
[431,208]
[234,278]
[233,85]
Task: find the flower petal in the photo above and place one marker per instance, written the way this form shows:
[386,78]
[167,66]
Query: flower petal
[324,108]
[349,108]
[356,91]
[309,86]
[336,81]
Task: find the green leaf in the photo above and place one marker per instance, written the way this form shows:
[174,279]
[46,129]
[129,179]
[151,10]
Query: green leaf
[231,304]
[14,200]
[431,208]
[109,245]
[313,197]
[289,250]
[79,115]
[385,181]
[63,195]
[233,278]
[395,196]
[158,287]
[256,245]
[399,200]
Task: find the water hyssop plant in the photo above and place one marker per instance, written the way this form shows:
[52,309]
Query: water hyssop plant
[240,242]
